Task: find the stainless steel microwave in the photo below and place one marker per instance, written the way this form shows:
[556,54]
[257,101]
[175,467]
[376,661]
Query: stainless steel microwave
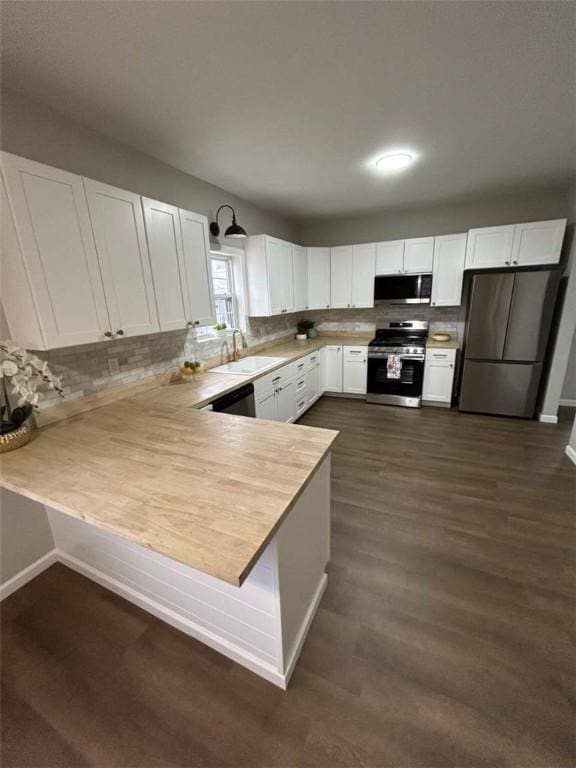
[402,289]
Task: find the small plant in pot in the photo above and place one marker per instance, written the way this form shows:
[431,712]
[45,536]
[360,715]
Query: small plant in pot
[306,330]
[221,329]
[22,374]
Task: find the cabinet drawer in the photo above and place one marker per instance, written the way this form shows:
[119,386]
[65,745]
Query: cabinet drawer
[441,355]
[301,404]
[355,352]
[300,384]
[272,380]
[299,367]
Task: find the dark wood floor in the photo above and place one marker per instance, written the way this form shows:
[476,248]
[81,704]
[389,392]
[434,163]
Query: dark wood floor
[445,638]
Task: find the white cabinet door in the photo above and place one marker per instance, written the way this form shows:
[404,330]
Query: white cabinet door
[332,359]
[300,275]
[448,270]
[341,262]
[313,383]
[266,406]
[196,249]
[489,247]
[390,257]
[279,261]
[418,255]
[318,278]
[167,261]
[60,274]
[286,402]
[438,376]
[363,273]
[288,280]
[118,226]
[355,368]
[538,242]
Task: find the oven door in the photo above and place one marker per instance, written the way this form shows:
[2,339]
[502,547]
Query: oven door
[407,390]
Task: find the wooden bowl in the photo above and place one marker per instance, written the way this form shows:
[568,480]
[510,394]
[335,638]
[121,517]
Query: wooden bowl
[441,337]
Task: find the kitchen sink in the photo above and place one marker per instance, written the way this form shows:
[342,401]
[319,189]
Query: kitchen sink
[248,365]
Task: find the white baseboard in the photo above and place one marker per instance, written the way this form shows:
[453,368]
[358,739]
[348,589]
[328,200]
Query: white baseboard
[239,655]
[568,402]
[547,418]
[303,633]
[29,573]
[571,453]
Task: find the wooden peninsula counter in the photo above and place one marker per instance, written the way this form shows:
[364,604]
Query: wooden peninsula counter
[217,524]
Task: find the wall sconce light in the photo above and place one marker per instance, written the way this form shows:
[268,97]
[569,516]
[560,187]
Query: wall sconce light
[234,230]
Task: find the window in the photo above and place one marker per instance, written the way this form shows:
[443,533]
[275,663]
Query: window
[223,287]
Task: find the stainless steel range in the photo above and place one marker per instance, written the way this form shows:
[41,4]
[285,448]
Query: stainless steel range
[396,363]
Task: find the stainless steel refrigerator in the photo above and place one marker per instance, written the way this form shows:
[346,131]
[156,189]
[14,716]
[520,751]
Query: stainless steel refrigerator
[507,331]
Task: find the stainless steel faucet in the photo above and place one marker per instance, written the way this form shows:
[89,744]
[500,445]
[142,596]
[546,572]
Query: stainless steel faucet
[235,351]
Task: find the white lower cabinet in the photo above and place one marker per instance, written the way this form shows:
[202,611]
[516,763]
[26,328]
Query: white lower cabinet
[332,368]
[313,378]
[286,401]
[439,377]
[354,370]
[266,405]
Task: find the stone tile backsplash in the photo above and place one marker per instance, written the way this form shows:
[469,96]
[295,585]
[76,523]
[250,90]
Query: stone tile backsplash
[92,368]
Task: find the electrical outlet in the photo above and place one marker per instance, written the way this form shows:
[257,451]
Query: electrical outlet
[113,365]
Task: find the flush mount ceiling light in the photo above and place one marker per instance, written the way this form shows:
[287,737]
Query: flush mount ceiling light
[234,230]
[394,161]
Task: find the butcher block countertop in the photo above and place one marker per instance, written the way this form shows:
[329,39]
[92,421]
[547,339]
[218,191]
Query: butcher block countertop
[206,489]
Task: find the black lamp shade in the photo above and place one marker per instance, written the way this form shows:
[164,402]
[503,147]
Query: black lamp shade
[235,230]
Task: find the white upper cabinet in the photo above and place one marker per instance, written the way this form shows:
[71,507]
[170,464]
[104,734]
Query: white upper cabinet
[400,257]
[490,247]
[390,257]
[118,226]
[167,262]
[363,273]
[318,278]
[418,255]
[270,276]
[512,245]
[341,270]
[448,270]
[300,273]
[196,249]
[538,242]
[50,266]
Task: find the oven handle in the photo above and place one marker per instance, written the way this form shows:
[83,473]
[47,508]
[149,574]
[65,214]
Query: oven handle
[385,356]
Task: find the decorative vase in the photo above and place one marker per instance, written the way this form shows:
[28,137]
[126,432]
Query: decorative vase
[16,439]
[312,333]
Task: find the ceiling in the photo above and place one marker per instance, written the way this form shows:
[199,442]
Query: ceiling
[283,103]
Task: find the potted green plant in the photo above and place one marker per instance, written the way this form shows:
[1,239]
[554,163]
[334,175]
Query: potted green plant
[221,329]
[23,373]
[306,330]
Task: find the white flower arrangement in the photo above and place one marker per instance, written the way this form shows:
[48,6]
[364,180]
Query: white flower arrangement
[24,372]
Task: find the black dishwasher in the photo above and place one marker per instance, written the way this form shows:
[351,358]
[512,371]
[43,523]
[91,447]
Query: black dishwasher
[239,402]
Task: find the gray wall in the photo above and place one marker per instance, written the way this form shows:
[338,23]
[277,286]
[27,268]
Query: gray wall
[569,388]
[36,132]
[439,219]
[25,533]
